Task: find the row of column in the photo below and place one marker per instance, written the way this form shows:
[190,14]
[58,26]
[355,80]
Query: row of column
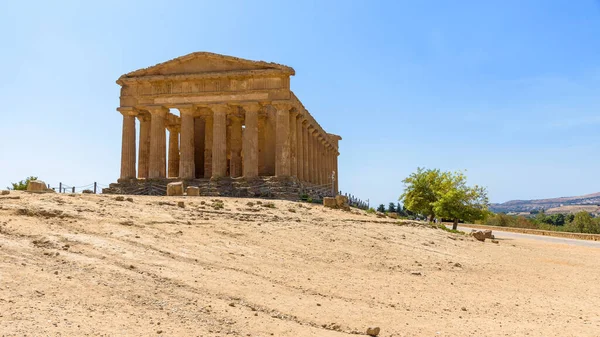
[282,143]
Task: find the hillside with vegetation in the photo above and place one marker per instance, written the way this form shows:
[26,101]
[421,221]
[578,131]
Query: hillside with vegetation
[558,205]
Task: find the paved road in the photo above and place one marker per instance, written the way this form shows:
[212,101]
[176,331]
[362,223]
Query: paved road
[550,239]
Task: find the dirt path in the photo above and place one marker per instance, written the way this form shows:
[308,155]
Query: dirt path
[92,265]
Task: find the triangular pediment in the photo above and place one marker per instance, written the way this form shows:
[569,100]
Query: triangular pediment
[204,62]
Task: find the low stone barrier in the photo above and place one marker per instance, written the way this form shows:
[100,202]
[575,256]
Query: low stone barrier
[568,235]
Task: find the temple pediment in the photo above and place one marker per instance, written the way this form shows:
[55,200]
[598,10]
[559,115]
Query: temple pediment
[206,63]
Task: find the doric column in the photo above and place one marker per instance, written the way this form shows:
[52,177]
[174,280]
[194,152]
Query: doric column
[250,144]
[319,160]
[208,145]
[311,154]
[262,145]
[269,131]
[187,162]
[219,143]
[157,164]
[293,141]
[235,164]
[173,167]
[324,160]
[328,163]
[282,143]
[337,173]
[128,143]
[144,147]
[299,148]
[306,150]
[199,135]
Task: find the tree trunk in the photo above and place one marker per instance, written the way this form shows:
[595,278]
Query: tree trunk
[431,217]
[455,224]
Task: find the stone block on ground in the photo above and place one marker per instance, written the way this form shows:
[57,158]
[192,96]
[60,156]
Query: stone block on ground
[175,188]
[479,235]
[193,191]
[329,202]
[37,186]
[341,200]
[488,234]
[5,192]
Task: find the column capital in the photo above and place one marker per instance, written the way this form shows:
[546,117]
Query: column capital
[187,109]
[127,111]
[143,116]
[281,105]
[251,107]
[174,128]
[158,110]
[221,108]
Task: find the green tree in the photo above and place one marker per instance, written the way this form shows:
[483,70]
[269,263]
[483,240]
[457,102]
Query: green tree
[569,218]
[22,185]
[584,223]
[422,190]
[458,201]
[392,207]
[381,208]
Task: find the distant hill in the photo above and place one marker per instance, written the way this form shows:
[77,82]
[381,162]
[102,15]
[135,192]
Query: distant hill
[556,204]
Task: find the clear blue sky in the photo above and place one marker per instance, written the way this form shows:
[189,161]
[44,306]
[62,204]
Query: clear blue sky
[508,90]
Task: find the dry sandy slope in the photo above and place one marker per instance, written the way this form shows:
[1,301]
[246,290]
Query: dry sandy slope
[140,268]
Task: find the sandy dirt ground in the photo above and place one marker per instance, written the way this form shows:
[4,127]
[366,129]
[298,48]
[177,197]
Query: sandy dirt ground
[76,265]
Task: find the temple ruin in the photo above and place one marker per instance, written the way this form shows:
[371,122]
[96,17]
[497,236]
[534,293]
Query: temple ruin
[225,117]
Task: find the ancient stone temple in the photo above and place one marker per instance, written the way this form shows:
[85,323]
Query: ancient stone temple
[225,117]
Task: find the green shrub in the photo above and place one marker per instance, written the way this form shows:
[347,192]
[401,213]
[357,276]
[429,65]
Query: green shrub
[22,185]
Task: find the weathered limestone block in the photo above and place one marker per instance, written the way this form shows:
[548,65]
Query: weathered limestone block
[36,186]
[193,191]
[5,192]
[479,235]
[175,188]
[341,200]
[329,202]
[488,234]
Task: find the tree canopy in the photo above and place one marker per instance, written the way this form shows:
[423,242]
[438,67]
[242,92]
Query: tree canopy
[421,191]
[444,194]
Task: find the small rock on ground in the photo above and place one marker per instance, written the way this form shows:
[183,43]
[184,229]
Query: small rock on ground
[373,331]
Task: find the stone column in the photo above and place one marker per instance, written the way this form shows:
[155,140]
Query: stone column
[128,144]
[305,150]
[282,143]
[324,161]
[299,148]
[173,167]
[311,154]
[319,161]
[262,145]
[235,164]
[219,144]
[144,147]
[187,162]
[269,130]
[157,163]
[250,144]
[337,173]
[328,163]
[293,143]
[208,145]
[199,135]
